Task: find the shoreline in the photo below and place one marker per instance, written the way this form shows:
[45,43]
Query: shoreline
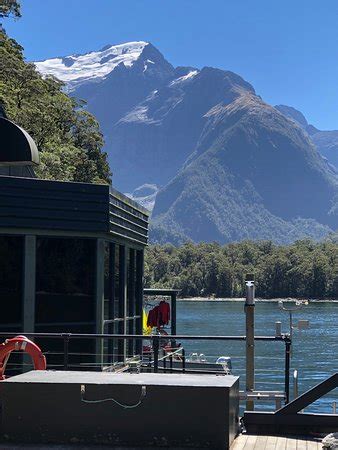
[258,300]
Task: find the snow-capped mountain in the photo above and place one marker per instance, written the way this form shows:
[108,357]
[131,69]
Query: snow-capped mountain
[112,80]
[94,66]
[230,166]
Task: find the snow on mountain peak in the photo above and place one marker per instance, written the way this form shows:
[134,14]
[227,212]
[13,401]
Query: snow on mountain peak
[75,69]
[191,74]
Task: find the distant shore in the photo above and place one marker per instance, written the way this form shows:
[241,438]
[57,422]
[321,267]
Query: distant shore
[242,299]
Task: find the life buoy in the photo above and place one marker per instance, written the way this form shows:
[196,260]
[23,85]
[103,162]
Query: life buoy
[21,343]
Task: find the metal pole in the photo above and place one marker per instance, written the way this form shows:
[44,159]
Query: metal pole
[164,362]
[65,351]
[156,344]
[183,360]
[295,383]
[173,318]
[250,339]
[29,282]
[291,331]
[287,370]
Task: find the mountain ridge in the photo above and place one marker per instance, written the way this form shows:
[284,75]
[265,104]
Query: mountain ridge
[221,163]
[223,195]
[326,141]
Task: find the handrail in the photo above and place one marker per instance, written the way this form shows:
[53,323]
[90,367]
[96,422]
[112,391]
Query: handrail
[282,338]
[66,337]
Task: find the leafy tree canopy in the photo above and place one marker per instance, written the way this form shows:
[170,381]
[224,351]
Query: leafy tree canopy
[305,269]
[10,8]
[68,136]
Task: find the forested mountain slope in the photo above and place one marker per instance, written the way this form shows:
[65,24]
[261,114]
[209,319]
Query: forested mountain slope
[254,174]
[228,166]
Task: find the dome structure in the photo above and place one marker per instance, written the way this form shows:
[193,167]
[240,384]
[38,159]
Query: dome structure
[17,148]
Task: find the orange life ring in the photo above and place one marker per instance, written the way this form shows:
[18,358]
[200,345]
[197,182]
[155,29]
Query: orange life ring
[21,343]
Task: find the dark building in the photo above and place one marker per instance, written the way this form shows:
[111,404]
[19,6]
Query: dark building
[71,255]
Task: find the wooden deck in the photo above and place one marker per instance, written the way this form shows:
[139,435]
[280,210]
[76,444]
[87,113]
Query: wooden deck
[252,442]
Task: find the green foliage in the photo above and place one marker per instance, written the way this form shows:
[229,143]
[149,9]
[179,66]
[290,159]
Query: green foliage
[10,8]
[305,269]
[67,135]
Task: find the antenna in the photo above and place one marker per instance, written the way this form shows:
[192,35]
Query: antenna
[290,308]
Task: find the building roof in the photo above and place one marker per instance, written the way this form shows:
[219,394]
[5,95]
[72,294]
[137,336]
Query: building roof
[17,146]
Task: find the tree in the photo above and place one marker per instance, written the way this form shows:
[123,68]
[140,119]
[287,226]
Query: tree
[305,269]
[68,137]
[10,8]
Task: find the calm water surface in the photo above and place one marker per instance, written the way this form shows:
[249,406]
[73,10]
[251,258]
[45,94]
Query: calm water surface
[315,350]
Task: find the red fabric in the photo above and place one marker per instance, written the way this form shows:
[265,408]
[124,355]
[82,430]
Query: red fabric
[164,313]
[159,316]
[153,317]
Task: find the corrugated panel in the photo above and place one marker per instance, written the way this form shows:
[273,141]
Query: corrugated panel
[32,203]
[128,218]
[55,205]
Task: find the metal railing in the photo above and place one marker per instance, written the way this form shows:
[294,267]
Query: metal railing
[66,338]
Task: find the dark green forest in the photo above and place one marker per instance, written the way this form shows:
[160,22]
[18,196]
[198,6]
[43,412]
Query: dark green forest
[304,269]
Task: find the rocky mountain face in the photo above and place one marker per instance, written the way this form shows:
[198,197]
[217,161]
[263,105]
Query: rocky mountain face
[325,141]
[112,80]
[253,175]
[158,135]
[228,165]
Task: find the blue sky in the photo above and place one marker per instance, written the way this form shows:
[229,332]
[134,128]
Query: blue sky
[287,49]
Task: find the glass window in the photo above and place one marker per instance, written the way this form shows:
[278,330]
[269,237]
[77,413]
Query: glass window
[65,281]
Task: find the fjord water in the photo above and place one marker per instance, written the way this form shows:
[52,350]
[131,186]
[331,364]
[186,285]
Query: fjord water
[314,351]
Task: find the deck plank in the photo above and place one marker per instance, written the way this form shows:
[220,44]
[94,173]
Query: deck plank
[313,445]
[301,444]
[281,443]
[260,443]
[271,443]
[240,442]
[291,443]
[251,442]
[254,442]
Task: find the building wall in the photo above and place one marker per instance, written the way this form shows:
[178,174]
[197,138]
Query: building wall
[65,282]
[77,256]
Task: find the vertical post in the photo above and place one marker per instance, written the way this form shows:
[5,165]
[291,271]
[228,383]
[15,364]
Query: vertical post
[66,338]
[122,344]
[250,338]
[173,318]
[29,284]
[295,383]
[99,298]
[132,300]
[111,308]
[156,345]
[139,299]
[287,369]
[29,288]
[164,362]
[291,330]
